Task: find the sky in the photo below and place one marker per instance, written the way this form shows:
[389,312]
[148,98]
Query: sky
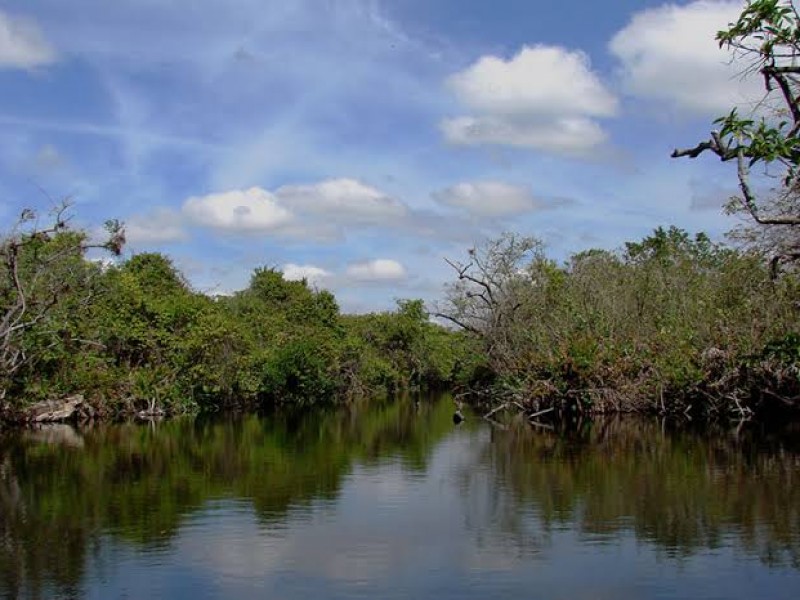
[357,143]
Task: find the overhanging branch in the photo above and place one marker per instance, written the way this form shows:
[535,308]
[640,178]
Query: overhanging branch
[715,145]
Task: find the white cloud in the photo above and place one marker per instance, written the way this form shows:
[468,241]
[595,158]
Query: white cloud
[158,227]
[670,54]
[320,211]
[326,211]
[708,194]
[545,97]
[544,80]
[314,275]
[341,199]
[252,210]
[22,45]
[381,269]
[488,198]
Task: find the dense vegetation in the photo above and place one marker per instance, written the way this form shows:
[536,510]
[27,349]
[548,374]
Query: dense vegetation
[671,323]
[135,335]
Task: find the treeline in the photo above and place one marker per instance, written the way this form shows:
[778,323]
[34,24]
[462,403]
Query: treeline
[134,336]
[672,323]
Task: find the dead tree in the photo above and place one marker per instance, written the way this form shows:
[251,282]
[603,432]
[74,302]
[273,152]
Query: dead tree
[488,291]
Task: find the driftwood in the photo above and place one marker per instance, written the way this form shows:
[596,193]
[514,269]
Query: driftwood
[74,408]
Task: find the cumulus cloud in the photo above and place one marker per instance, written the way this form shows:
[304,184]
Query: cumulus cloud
[346,199]
[314,275]
[322,211]
[546,80]
[252,210]
[158,227]
[381,269]
[488,198]
[22,44]
[669,54]
[332,210]
[545,97]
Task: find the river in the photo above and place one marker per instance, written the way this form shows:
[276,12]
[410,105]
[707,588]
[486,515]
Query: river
[392,500]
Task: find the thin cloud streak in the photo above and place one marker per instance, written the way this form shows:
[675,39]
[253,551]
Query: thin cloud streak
[109,131]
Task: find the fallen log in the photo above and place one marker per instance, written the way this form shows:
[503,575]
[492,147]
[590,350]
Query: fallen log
[72,408]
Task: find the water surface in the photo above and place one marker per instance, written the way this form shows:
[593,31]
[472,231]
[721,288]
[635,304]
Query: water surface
[394,501]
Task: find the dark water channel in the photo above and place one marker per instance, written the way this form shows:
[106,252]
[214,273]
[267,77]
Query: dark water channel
[394,501]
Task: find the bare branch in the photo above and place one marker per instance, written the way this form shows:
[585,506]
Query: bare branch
[693,152]
[715,144]
[457,321]
[463,273]
[776,261]
[794,69]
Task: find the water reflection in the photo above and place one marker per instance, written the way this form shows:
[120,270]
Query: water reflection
[681,490]
[392,500]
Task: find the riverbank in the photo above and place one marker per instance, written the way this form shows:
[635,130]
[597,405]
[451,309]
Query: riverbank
[134,336]
[672,324]
[493,403]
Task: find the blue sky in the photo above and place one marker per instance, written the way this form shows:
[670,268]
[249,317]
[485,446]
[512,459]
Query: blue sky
[359,142]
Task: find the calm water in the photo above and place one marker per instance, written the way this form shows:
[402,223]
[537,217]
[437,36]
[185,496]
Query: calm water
[394,501]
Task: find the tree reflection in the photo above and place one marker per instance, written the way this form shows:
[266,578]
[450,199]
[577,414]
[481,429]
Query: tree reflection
[68,499]
[673,487]
[138,482]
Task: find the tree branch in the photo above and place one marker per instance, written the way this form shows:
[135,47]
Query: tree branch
[458,322]
[692,152]
[750,198]
[778,74]
[462,274]
[715,144]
